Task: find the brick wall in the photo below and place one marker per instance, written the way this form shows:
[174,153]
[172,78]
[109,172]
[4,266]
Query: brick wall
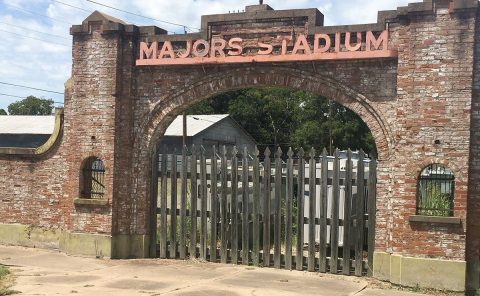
[40,191]
[118,112]
[32,191]
[434,100]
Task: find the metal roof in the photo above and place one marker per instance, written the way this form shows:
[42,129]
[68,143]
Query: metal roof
[195,124]
[20,124]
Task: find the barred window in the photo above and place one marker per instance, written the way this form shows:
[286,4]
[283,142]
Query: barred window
[436,187]
[93,173]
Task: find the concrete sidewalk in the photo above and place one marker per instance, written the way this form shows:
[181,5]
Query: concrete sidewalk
[44,272]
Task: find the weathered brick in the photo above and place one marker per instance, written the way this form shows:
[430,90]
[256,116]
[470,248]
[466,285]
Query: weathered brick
[429,93]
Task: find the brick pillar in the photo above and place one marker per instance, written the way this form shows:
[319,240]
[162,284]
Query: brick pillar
[473,214]
[99,122]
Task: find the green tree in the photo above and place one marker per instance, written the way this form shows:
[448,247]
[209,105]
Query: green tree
[288,118]
[3,112]
[31,106]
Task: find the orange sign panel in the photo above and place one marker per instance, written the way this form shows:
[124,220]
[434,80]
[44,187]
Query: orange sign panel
[285,49]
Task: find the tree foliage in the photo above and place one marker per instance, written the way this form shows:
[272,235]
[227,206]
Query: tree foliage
[31,105]
[288,118]
[3,112]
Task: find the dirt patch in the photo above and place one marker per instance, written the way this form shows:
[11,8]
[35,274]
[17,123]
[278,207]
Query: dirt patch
[67,279]
[208,293]
[127,284]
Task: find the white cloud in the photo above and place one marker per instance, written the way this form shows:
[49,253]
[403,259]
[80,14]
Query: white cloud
[46,65]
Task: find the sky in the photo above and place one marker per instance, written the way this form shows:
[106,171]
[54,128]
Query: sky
[35,44]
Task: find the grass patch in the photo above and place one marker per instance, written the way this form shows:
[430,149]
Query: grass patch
[6,281]
[3,272]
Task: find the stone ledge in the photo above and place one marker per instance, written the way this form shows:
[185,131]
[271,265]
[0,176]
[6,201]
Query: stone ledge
[86,244]
[91,202]
[435,219]
[83,244]
[422,272]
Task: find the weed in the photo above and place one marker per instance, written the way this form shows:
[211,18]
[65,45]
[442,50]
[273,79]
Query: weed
[3,271]
[416,289]
[6,281]
[433,202]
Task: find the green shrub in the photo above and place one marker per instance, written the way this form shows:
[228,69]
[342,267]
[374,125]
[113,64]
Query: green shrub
[432,202]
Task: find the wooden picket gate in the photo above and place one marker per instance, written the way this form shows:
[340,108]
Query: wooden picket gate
[236,207]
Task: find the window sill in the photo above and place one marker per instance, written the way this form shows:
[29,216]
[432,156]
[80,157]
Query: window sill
[90,202]
[435,219]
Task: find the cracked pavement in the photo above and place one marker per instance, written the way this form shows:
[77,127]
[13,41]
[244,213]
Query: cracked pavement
[47,272]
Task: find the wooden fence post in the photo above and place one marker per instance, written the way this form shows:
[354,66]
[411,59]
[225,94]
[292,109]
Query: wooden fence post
[256,209]
[288,215]
[323,212]
[223,207]
[334,225]
[213,206]
[360,216]
[203,205]
[163,206]
[372,212]
[347,212]
[311,210]
[245,214]
[173,207]
[234,213]
[267,185]
[193,203]
[300,209]
[277,215]
[183,206]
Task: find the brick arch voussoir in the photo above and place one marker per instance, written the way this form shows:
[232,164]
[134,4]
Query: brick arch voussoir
[420,165]
[173,103]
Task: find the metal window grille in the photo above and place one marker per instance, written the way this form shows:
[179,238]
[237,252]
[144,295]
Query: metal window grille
[94,177]
[436,187]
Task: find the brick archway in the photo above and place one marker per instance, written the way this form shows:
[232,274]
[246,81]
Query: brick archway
[172,103]
[175,101]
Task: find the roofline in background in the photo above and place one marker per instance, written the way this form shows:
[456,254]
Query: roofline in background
[58,127]
[192,123]
[234,122]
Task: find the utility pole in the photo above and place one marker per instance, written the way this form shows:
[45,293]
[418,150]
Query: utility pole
[330,125]
[184,137]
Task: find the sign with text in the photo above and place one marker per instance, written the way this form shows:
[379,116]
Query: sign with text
[281,49]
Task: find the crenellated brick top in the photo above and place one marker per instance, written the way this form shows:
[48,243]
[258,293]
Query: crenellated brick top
[311,19]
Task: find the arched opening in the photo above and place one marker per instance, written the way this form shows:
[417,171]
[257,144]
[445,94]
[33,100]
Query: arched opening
[165,112]
[92,180]
[170,104]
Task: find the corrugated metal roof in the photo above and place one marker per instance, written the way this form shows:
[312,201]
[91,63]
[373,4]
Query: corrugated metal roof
[195,124]
[20,124]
